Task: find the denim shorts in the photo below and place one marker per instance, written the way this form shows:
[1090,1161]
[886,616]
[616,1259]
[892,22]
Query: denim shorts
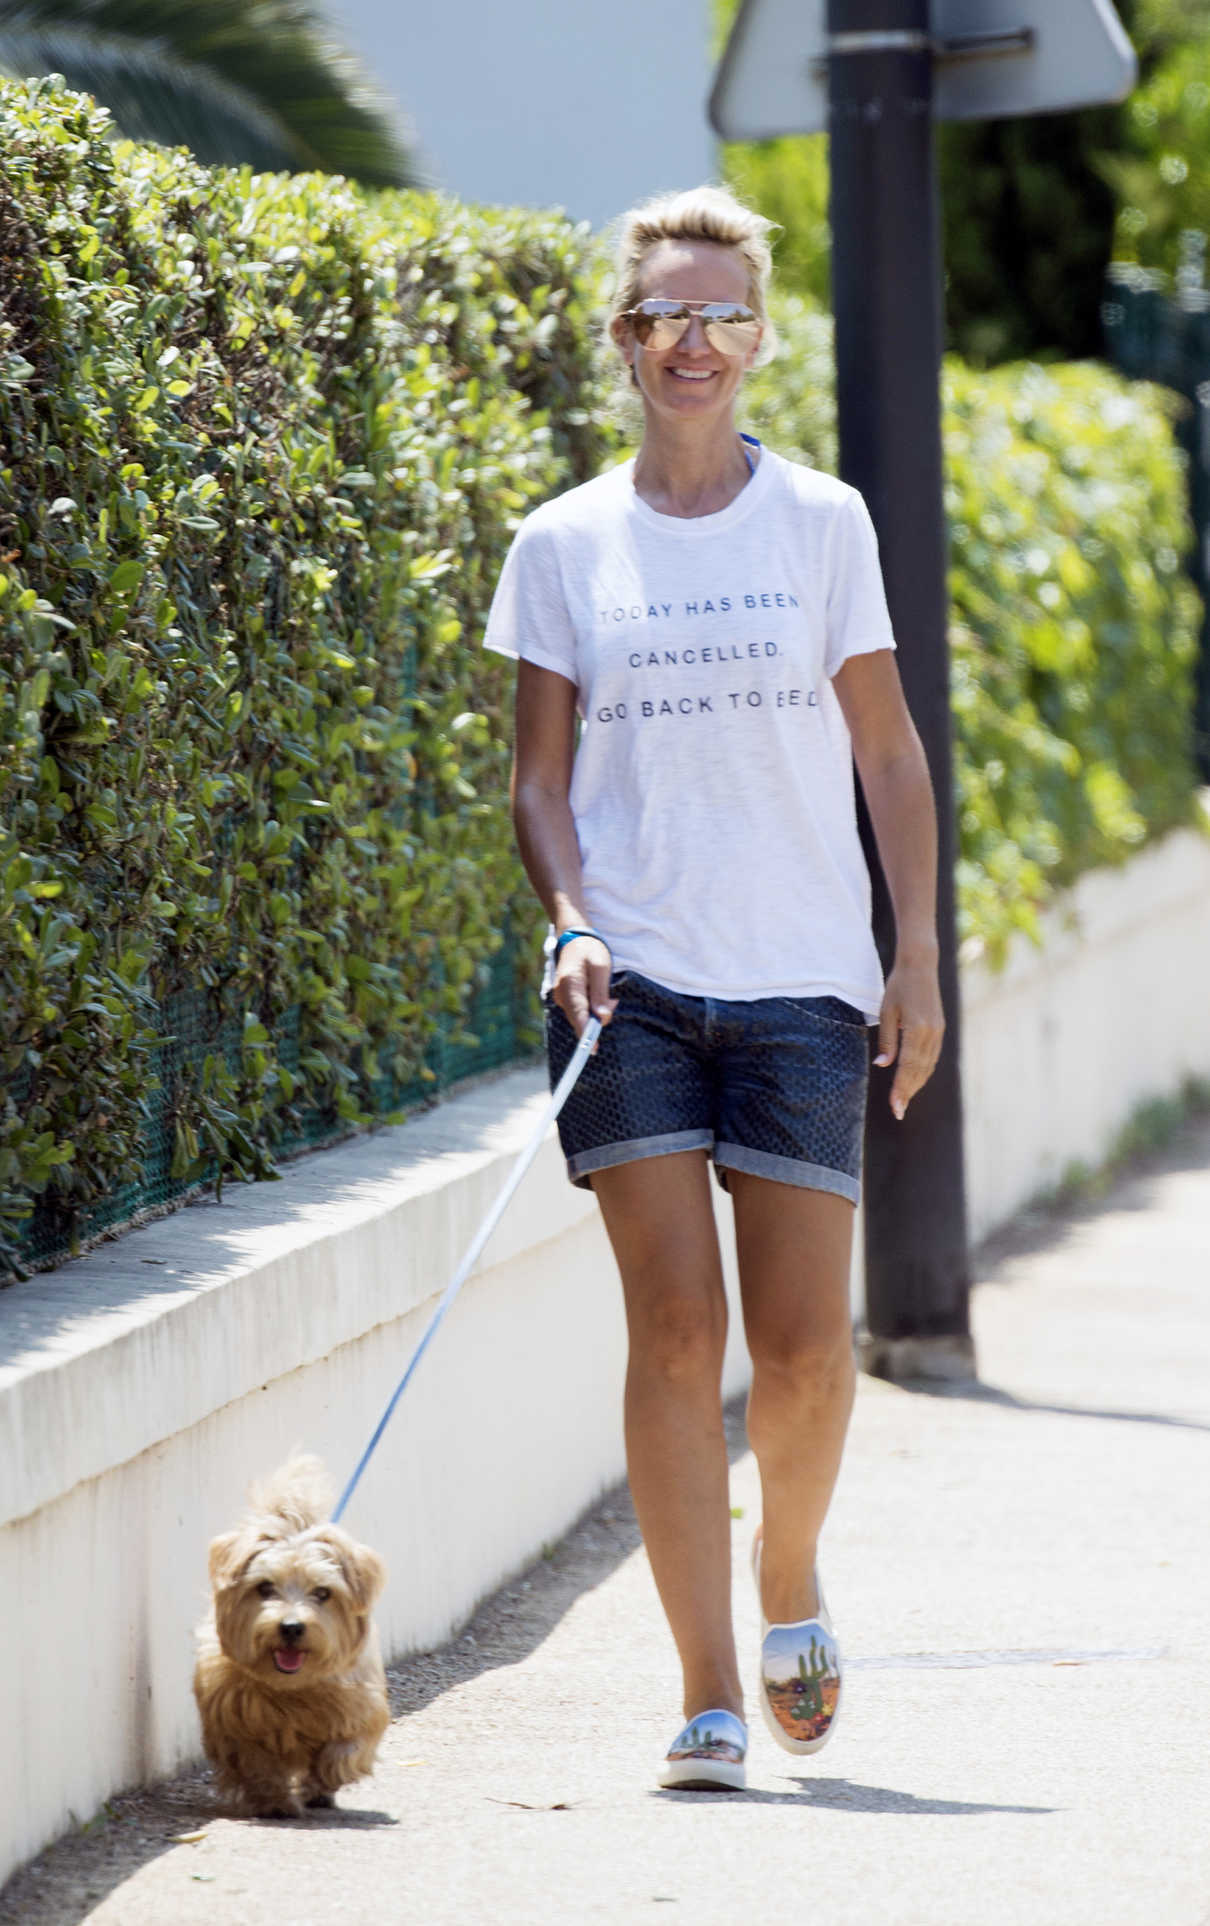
[775,1087]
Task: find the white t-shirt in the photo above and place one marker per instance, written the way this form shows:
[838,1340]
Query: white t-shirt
[712,790]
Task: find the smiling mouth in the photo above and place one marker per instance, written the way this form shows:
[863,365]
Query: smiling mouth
[692,374]
[288,1658]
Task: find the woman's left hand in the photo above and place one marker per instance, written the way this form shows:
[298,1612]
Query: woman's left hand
[910,1028]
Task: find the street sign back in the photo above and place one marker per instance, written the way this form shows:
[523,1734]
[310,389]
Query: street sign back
[1054,55]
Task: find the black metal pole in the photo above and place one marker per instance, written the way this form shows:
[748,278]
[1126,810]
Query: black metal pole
[886,281]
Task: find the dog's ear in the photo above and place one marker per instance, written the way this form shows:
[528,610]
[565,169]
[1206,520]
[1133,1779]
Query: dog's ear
[367,1575]
[227,1556]
[364,1572]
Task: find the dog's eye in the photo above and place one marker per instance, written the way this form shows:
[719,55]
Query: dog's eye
[265,1589]
[321,1594]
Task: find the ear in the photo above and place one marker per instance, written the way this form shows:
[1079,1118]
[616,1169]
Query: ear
[365,1574]
[226,1558]
[623,340]
[622,336]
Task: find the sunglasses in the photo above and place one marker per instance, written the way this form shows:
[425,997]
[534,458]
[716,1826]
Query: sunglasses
[728,325]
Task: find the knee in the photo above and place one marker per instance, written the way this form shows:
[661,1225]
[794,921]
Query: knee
[680,1338]
[814,1363]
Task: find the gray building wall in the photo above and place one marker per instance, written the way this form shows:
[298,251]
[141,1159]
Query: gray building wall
[547,103]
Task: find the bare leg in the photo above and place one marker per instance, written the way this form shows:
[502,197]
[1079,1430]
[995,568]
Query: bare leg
[794,1251]
[660,1221]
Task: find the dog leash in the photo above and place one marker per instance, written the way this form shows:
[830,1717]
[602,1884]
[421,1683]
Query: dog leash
[563,1090]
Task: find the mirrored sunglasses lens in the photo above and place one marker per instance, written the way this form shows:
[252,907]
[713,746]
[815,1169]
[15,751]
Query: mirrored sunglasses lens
[659,325]
[733,332]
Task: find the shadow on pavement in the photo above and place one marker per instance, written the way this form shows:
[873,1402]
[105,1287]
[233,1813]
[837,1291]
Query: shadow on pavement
[979,1393]
[337,1819]
[67,1882]
[843,1795]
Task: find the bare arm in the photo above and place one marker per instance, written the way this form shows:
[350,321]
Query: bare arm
[546,835]
[895,779]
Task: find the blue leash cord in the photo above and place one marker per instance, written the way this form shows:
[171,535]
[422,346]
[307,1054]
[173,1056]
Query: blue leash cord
[563,1089]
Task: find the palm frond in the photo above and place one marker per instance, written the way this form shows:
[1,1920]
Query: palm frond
[261,83]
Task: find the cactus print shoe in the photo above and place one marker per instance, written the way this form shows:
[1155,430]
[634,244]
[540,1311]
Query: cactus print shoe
[800,1675]
[708,1755]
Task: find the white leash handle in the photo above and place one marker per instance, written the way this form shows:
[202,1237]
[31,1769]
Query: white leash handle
[562,1091]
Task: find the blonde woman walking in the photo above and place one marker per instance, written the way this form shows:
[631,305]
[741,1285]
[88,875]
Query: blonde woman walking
[703,649]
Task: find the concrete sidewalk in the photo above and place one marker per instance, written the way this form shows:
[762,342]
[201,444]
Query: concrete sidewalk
[1019,1571]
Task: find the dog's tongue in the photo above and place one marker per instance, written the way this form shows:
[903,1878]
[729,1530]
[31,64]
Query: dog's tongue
[287,1658]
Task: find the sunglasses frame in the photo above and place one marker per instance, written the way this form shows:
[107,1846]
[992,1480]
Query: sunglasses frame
[748,327]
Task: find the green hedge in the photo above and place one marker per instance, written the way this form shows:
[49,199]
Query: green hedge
[264,442]
[1073,635]
[1073,628]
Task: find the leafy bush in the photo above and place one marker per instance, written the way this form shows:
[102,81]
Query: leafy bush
[1073,624]
[791,403]
[1073,631]
[788,181]
[1159,174]
[265,440]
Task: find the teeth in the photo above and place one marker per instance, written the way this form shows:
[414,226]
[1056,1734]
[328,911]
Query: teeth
[692,374]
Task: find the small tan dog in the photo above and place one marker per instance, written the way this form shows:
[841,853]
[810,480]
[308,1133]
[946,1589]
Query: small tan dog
[289,1680]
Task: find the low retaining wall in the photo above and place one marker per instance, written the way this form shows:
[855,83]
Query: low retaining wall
[1068,1040]
[143,1385]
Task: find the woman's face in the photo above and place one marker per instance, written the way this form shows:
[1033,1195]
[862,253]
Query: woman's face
[691,379]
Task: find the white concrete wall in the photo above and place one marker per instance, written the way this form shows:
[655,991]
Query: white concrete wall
[541,103]
[144,1385]
[1063,1044]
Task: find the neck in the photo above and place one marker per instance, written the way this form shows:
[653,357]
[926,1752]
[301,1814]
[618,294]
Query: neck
[690,468]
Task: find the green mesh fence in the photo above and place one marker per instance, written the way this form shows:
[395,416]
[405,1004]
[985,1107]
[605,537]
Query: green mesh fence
[501,1028]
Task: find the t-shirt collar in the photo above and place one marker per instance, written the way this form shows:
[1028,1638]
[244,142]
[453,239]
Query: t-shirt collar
[750,496]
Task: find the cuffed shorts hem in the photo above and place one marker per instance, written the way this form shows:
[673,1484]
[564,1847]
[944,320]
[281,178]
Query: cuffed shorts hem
[605,1156]
[774,1087]
[787,1170]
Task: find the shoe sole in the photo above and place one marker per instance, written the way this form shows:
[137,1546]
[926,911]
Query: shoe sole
[702,1775]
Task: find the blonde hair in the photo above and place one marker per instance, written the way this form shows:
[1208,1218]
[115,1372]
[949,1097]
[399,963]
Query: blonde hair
[696,214]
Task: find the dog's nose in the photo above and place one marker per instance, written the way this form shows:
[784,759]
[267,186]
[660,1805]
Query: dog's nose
[291,1631]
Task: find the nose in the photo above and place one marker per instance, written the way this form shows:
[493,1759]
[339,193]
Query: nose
[291,1631]
[694,337]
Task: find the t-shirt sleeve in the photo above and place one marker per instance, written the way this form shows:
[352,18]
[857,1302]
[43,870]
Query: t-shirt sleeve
[529,617]
[858,620]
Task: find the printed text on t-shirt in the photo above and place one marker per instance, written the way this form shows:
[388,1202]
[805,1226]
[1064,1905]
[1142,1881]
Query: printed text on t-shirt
[662,611]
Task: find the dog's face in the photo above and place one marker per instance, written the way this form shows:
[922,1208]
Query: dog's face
[293,1608]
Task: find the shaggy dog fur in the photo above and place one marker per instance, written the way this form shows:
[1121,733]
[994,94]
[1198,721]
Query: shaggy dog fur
[289,1680]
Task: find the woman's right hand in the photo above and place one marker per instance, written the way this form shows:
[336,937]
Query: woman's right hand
[581,986]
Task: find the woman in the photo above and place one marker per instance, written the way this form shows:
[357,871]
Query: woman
[715,615]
